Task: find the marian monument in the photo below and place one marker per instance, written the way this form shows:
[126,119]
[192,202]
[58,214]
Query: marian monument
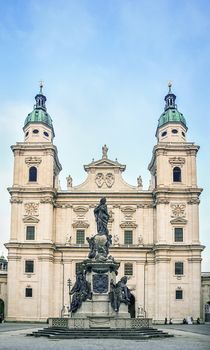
[97,298]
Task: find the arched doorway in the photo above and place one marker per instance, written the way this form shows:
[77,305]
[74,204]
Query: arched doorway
[1,310]
[131,307]
[207,312]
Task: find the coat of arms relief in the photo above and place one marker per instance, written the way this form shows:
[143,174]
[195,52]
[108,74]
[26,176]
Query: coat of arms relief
[107,179]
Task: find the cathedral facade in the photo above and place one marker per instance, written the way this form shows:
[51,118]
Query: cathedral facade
[155,232]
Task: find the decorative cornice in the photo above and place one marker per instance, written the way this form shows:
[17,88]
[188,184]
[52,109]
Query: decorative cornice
[80,209]
[128,209]
[47,200]
[33,161]
[49,152]
[194,201]
[80,224]
[191,152]
[177,161]
[63,205]
[162,152]
[162,201]
[145,205]
[16,200]
[128,224]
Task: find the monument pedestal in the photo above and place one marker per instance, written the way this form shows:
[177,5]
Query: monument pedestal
[102,322]
[100,274]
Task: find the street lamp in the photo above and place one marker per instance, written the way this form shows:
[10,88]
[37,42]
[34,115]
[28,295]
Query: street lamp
[69,284]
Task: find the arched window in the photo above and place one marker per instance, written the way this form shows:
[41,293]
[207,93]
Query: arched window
[33,174]
[177,174]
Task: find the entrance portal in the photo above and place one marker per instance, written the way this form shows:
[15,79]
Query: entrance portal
[207,312]
[131,307]
[1,310]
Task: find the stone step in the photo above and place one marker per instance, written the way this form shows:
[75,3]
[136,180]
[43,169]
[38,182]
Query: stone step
[65,333]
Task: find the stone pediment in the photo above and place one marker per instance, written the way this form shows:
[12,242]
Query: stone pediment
[30,219]
[104,175]
[80,209]
[80,224]
[104,164]
[128,209]
[128,224]
[178,220]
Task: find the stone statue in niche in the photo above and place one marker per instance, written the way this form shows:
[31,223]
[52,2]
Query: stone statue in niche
[140,240]
[81,291]
[116,239]
[68,239]
[119,293]
[99,244]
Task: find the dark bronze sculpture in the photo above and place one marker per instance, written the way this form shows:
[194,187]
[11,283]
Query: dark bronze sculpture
[81,291]
[99,244]
[102,267]
[102,217]
[119,293]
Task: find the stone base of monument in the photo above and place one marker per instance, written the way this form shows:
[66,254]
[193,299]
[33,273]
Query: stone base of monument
[103,322]
[100,306]
[130,329]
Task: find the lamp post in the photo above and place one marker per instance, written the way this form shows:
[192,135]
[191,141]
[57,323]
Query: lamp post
[69,284]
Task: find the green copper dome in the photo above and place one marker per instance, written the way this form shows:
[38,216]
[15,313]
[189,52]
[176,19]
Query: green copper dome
[173,116]
[39,116]
[171,113]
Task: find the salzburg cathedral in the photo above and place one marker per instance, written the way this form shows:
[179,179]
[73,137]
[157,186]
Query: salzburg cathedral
[154,232]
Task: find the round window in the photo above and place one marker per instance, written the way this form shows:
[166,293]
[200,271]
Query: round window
[27,133]
[164,133]
[174,131]
[46,133]
[183,134]
[35,131]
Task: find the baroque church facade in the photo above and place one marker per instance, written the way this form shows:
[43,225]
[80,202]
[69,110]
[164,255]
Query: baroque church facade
[155,232]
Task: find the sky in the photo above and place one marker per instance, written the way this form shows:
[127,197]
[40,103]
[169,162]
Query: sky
[105,66]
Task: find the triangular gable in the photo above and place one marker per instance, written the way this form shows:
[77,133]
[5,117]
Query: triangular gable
[104,163]
[178,221]
[30,219]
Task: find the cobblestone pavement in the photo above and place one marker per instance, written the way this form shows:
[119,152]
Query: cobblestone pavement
[16,339]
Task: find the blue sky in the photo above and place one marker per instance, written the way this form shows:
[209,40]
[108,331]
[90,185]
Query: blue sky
[105,64]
